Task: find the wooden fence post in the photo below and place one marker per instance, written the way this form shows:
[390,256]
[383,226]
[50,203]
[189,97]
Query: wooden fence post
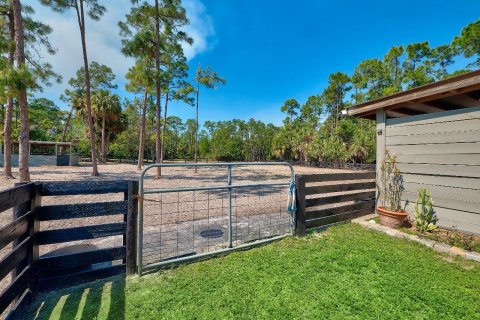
[35,205]
[130,238]
[19,211]
[300,218]
[33,227]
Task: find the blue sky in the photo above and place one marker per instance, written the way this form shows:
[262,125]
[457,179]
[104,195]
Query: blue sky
[267,50]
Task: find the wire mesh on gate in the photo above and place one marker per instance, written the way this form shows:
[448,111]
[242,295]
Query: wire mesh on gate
[187,221]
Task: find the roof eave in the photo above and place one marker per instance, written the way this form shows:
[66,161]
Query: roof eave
[456,85]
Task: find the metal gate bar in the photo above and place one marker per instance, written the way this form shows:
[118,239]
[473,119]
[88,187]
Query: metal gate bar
[229,187]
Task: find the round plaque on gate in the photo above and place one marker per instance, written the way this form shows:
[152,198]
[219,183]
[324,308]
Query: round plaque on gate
[211,233]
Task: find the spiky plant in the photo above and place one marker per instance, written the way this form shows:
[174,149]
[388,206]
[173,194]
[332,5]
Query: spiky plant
[391,189]
[425,218]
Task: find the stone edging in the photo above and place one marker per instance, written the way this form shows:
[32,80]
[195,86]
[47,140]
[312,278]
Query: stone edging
[437,246]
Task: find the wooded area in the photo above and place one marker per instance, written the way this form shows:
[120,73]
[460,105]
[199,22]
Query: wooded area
[106,126]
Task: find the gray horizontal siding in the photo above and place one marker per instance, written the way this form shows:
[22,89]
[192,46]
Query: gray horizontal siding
[35,160]
[450,203]
[446,192]
[444,148]
[439,180]
[440,169]
[439,127]
[435,138]
[452,218]
[441,152]
[437,117]
[471,159]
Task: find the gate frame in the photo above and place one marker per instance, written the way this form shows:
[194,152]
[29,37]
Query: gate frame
[228,186]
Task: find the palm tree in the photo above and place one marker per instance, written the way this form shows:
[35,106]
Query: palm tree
[106,108]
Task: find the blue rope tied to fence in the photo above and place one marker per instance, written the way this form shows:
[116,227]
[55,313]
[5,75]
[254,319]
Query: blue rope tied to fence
[292,201]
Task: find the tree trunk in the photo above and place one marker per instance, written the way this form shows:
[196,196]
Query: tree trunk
[141,147]
[65,129]
[164,129]
[104,148]
[91,128]
[196,126]
[67,124]
[7,128]
[107,146]
[158,144]
[24,150]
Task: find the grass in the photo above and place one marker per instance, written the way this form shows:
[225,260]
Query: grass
[347,272]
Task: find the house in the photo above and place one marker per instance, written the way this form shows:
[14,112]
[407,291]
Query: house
[434,131]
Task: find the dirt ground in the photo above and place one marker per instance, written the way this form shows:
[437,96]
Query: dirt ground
[178,223]
[115,171]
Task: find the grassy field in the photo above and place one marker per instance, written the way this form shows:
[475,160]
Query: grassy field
[346,272]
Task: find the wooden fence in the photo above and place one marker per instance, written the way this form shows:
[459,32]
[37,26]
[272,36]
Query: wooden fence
[31,272]
[324,199]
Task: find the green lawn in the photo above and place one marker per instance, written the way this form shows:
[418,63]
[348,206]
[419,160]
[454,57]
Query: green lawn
[346,272]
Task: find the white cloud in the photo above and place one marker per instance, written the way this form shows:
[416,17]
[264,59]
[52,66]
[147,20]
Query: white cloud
[104,42]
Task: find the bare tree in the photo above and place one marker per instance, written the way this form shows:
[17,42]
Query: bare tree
[95,11]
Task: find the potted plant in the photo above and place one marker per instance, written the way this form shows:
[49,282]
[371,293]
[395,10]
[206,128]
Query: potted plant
[390,194]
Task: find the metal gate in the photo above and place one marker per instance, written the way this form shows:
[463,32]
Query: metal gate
[236,208]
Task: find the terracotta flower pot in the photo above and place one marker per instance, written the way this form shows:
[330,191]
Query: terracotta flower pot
[392,219]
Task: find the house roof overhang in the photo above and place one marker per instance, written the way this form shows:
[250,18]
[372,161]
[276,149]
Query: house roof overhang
[457,92]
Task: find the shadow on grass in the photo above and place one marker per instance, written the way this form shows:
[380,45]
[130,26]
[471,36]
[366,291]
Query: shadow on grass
[102,299]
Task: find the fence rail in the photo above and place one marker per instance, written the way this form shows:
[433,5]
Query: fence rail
[324,199]
[31,272]
[19,261]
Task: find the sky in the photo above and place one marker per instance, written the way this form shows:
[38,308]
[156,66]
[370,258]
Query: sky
[267,50]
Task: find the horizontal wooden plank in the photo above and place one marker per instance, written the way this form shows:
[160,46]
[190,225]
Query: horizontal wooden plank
[440,127]
[362,195]
[77,278]
[14,229]
[456,204]
[80,259]
[82,210]
[440,170]
[339,187]
[471,159]
[319,212]
[20,306]
[444,148]
[14,257]
[445,192]
[81,233]
[344,216]
[456,182]
[16,288]
[340,176]
[455,219]
[14,196]
[60,188]
[436,117]
[434,138]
